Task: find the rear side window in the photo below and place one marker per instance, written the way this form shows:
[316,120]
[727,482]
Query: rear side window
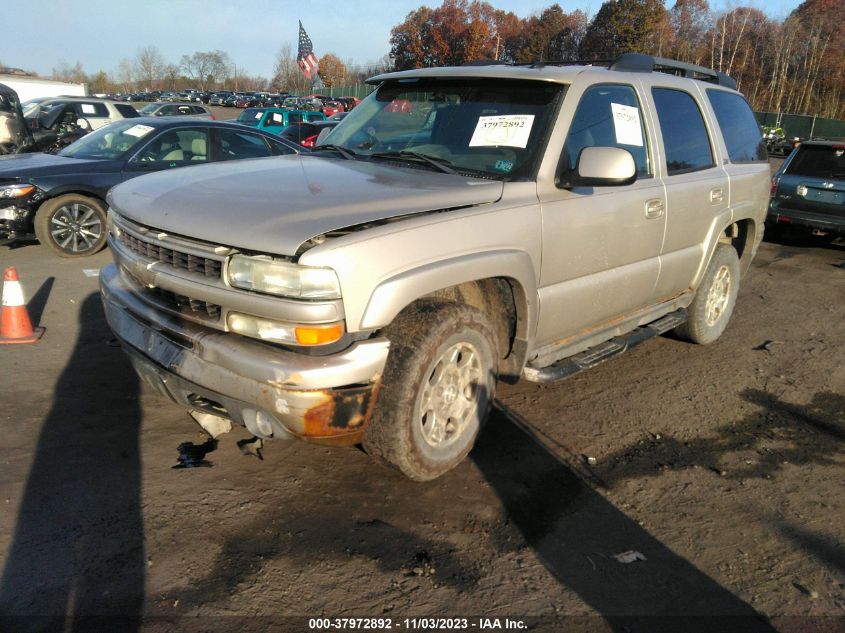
[236,145]
[608,115]
[127,111]
[739,127]
[818,161]
[684,134]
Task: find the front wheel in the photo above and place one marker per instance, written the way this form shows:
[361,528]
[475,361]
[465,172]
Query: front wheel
[72,225]
[714,301]
[436,390]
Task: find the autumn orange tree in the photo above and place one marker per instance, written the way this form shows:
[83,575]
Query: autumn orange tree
[331,70]
[791,65]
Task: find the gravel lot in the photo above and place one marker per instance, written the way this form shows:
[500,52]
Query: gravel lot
[722,466]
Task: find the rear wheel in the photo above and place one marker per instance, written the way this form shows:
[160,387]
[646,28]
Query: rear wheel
[72,225]
[436,390]
[714,301]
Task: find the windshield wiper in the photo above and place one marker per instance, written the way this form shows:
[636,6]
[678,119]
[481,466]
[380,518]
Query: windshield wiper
[440,163]
[348,154]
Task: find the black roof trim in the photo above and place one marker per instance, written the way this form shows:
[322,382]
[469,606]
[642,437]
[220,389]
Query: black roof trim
[639,63]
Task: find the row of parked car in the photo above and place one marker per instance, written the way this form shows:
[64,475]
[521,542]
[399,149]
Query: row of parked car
[84,145]
[228,98]
[53,182]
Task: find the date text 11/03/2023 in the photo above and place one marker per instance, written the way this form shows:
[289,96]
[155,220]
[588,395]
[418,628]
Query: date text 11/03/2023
[415,624]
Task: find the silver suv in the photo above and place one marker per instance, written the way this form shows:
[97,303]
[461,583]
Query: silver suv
[462,226]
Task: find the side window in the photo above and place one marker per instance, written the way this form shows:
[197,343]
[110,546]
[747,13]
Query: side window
[294,117]
[167,110]
[280,149]
[684,133]
[608,115]
[235,145]
[739,127]
[184,110]
[176,146]
[276,118]
[91,110]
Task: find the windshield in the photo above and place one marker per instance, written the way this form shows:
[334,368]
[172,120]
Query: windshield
[109,142]
[250,116]
[496,127]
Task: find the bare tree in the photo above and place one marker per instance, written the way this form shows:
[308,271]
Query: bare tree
[286,73]
[207,69]
[149,65]
[65,72]
[125,75]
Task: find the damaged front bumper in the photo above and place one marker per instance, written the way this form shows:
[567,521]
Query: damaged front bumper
[271,391]
[16,221]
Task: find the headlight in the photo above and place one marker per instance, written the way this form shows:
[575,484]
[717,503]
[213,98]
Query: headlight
[16,191]
[283,278]
[111,226]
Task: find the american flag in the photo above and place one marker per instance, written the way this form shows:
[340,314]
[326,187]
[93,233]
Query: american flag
[305,57]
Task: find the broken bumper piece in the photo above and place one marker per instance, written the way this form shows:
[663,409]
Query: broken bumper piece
[273,392]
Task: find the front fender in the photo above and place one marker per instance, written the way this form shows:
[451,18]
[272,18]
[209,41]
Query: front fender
[391,296]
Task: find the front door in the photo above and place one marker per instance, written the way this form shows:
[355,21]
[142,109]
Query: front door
[601,245]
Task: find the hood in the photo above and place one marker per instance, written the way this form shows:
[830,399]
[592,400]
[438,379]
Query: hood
[273,205]
[33,165]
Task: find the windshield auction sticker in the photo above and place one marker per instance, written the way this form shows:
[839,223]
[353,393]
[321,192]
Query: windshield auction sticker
[138,130]
[626,122]
[510,130]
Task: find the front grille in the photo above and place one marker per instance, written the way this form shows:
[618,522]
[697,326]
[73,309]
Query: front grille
[181,303]
[178,259]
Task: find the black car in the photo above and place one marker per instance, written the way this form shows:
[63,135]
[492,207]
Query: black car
[60,198]
[809,188]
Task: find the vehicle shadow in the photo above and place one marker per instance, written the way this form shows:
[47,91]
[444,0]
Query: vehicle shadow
[778,433]
[76,561]
[803,238]
[576,532]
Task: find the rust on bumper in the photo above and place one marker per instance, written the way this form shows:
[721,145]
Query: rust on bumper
[342,417]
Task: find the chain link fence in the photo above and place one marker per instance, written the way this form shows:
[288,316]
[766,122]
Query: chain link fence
[802,126]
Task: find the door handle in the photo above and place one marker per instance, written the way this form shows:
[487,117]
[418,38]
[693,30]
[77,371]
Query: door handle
[654,209]
[717,195]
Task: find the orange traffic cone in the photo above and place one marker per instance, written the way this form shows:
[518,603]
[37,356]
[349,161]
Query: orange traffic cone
[15,326]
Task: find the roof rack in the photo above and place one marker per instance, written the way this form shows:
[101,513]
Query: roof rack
[639,63]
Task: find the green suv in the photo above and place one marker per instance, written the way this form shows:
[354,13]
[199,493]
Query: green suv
[274,120]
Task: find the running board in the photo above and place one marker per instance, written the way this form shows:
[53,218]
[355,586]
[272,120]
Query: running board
[596,355]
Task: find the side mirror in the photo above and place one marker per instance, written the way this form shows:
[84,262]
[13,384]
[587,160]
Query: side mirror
[602,167]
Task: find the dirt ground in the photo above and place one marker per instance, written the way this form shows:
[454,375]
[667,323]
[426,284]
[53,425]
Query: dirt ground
[722,466]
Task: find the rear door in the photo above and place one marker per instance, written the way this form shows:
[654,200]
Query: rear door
[697,191]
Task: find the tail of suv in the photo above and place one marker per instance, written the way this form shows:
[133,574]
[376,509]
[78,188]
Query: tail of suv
[809,188]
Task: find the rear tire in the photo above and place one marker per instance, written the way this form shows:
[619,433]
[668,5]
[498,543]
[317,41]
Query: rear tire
[437,389]
[72,225]
[714,301]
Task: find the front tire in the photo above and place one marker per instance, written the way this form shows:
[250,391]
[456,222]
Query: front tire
[437,389]
[714,301]
[72,225]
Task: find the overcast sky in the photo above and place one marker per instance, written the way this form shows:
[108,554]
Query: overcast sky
[99,33]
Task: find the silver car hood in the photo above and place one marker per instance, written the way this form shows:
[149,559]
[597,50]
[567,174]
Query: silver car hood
[273,205]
